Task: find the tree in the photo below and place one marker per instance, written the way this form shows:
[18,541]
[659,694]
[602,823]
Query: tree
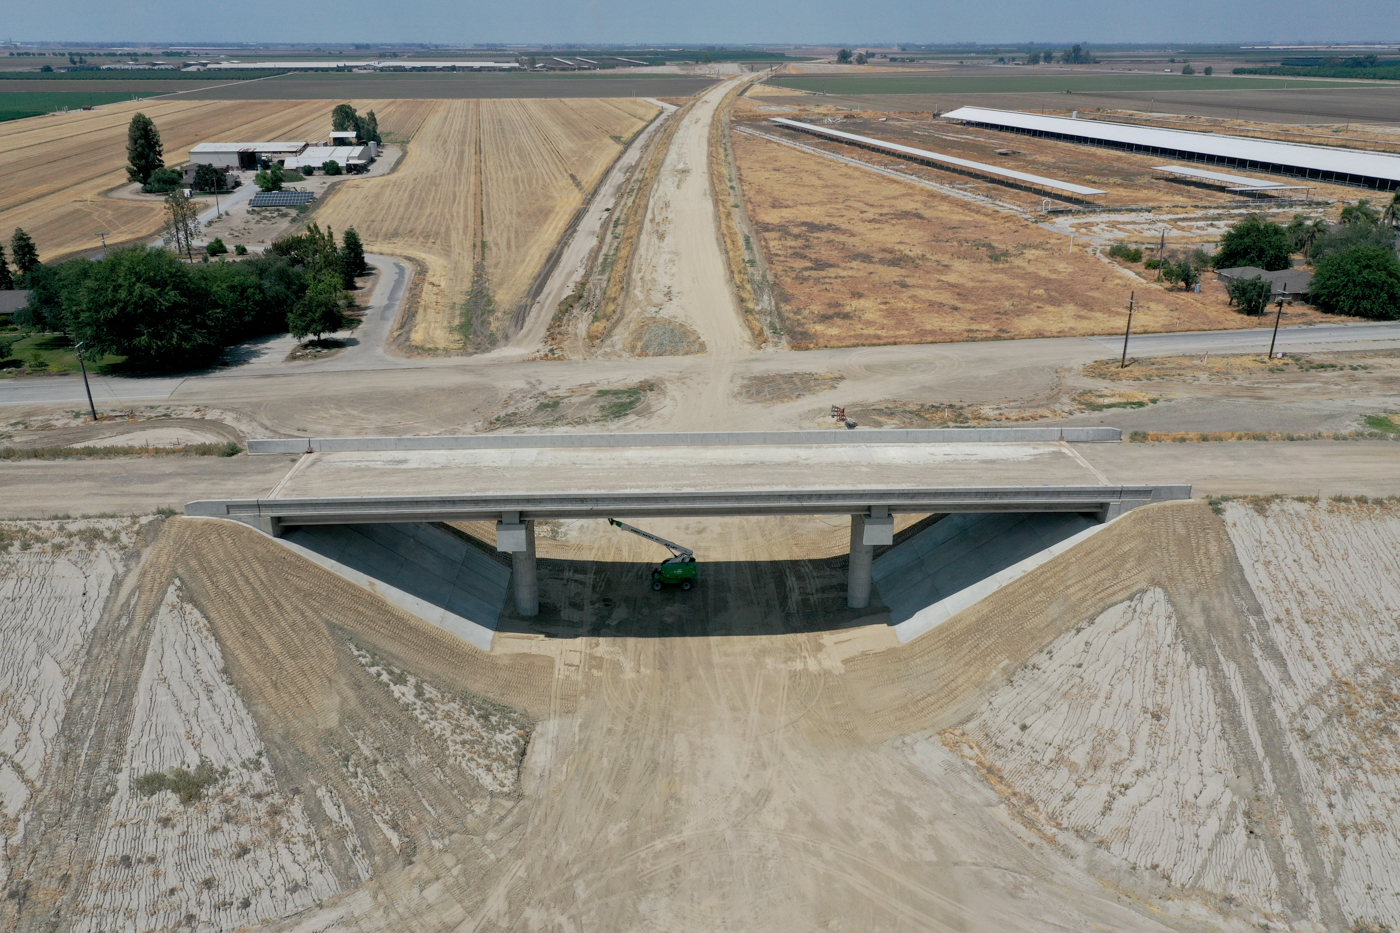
[181,223]
[1187,70]
[164,180]
[369,129]
[209,178]
[352,255]
[216,247]
[1391,215]
[843,57]
[1208,70]
[25,253]
[1251,295]
[860,58]
[321,310]
[344,118]
[7,281]
[330,167]
[270,179]
[1360,213]
[1255,242]
[144,152]
[1339,237]
[1183,273]
[1303,233]
[1363,280]
[144,304]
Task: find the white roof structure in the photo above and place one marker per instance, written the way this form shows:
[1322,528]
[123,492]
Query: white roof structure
[923,155]
[1239,181]
[1379,169]
[256,147]
[316,156]
[341,63]
[344,134]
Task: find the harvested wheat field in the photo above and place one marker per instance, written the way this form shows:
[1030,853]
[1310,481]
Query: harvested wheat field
[484,194]
[862,259]
[1144,734]
[55,171]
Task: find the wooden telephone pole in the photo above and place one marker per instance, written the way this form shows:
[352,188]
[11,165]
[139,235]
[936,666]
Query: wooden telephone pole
[1132,303]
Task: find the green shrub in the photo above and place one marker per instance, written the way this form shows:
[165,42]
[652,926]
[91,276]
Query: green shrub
[216,247]
[330,167]
[163,181]
[1152,264]
[187,785]
[240,250]
[1127,253]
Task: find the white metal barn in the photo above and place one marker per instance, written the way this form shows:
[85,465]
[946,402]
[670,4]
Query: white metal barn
[1325,163]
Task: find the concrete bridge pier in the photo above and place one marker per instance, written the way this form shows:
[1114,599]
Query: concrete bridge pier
[867,530]
[518,538]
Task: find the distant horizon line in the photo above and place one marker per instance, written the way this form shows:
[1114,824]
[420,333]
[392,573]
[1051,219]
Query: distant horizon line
[12,44]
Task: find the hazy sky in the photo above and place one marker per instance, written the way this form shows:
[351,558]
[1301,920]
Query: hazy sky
[701,21]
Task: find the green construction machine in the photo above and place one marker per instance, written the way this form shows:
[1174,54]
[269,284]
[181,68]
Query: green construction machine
[680,569]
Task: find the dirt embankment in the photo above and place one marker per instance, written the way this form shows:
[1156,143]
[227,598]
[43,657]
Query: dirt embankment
[1181,724]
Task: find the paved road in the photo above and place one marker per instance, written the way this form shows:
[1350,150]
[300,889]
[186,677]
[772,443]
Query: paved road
[977,367]
[1335,337]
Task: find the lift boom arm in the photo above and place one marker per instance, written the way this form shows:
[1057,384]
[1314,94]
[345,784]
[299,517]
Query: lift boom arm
[676,549]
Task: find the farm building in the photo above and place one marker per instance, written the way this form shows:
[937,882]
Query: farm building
[243,155]
[12,300]
[1326,163]
[1287,284]
[350,158]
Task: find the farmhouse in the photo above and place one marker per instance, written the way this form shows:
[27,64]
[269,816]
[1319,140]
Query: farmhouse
[244,155]
[1326,163]
[11,300]
[1288,284]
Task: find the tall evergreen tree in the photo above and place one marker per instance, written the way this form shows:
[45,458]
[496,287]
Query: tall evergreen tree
[7,281]
[143,148]
[352,255]
[25,253]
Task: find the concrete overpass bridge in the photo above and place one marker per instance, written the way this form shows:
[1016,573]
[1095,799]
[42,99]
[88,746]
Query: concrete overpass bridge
[516,480]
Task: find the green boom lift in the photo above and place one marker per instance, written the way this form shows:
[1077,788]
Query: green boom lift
[680,568]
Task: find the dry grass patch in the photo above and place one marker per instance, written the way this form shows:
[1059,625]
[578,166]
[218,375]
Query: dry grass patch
[861,259]
[1227,368]
[482,197]
[773,388]
[903,414]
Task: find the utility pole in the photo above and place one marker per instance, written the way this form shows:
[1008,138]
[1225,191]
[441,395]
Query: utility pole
[1278,317]
[81,365]
[1161,254]
[1132,303]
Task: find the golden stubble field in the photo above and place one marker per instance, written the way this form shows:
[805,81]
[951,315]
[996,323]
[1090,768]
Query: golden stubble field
[55,171]
[861,259]
[490,182]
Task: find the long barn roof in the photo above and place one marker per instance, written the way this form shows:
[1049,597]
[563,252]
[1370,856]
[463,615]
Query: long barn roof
[980,168]
[1327,159]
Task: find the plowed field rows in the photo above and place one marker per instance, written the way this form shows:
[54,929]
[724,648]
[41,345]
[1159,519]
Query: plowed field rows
[55,170]
[493,181]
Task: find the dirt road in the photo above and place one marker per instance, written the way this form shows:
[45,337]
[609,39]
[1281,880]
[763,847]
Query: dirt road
[680,271]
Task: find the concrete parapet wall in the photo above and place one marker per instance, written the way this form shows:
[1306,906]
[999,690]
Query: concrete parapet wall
[297,445]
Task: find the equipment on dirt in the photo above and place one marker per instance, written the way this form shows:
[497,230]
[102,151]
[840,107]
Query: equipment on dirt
[680,568]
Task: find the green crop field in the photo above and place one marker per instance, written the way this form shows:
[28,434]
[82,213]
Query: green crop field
[15,105]
[1021,84]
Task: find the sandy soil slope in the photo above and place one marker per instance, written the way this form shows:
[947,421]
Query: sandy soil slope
[1220,759]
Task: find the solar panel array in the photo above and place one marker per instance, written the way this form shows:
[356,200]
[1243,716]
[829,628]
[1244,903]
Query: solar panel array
[281,199]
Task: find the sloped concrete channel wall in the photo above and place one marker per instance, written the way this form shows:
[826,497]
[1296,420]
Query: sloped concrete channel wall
[964,558]
[297,445]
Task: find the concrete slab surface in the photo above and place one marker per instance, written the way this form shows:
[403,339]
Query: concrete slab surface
[659,470]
